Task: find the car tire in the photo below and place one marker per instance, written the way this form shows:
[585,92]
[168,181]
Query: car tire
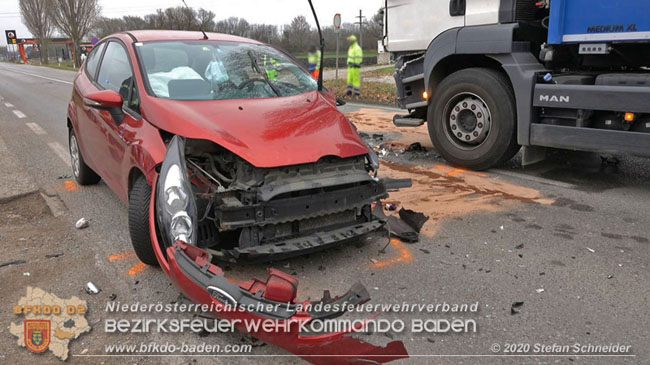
[463,102]
[139,202]
[82,172]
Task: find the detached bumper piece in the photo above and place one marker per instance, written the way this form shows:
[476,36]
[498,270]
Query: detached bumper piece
[191,270]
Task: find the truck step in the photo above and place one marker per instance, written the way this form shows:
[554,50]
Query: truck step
[407,121]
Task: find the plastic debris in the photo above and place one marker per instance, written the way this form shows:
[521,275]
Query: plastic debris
[501,228]
[519,246]
[10,263]
[91,288]
[416,147]
[414,219]
[591,250]
[610,276]
[112,297]
[26,274]
[541,290]
[81,223]
[54,255]
[425,250]
[514,309]
[391,206]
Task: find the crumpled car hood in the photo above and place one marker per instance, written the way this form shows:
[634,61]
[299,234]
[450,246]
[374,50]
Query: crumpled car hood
[269,132]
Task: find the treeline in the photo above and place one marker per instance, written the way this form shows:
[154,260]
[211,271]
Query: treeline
[295,37]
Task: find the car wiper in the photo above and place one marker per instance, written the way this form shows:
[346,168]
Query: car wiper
[261,70]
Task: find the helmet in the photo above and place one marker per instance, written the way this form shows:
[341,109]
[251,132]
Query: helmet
[352,38]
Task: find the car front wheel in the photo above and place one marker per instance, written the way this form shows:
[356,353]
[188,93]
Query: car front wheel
[139,202]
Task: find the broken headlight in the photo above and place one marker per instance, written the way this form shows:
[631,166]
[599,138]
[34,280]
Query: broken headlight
[175,206]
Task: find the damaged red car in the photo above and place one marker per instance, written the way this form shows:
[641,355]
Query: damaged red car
[226,149]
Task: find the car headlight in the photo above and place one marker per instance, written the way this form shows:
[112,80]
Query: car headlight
[175,206]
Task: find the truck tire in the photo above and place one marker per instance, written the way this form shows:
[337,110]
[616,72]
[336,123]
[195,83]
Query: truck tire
[139,202]
[82,172]
[472,119]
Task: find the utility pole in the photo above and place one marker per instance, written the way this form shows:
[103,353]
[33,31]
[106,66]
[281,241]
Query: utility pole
[360,28]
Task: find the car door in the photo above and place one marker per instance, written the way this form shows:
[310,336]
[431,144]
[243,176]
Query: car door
[88,135]
[116,128]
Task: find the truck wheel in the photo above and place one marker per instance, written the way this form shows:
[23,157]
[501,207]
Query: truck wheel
[472,119]
[82,172]
[139,200]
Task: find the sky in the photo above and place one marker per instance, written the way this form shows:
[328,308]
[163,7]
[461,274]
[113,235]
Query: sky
[277,12]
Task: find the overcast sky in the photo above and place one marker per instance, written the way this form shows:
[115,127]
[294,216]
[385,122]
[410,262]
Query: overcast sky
[255,11]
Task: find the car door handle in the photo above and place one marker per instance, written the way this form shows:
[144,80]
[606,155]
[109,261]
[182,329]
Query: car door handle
[457,7]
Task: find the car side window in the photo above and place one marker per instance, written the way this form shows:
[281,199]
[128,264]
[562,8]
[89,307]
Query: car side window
[115,71]
[93,60]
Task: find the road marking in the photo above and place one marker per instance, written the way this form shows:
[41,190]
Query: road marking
[39,76]
[19,114]
[9,105]
[137,268]
[61,152]
[405,255]
[121,256]
[36,128]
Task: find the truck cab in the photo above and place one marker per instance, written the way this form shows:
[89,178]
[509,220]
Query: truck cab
[490,76]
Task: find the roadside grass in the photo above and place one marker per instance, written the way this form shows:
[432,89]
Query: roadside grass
[66,65]
[343,53]
[371,92]
[388,71]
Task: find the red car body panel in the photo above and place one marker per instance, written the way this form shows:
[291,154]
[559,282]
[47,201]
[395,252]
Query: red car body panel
[332,348]
[266,132]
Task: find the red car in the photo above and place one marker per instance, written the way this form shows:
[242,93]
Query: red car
[224,148]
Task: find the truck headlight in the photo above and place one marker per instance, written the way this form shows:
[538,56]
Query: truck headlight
[175,206]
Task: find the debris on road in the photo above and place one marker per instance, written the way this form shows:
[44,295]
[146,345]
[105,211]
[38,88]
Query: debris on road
[391,206]
[591,250]
[11,263]
[416,147]
[26,274]
[81,223]
[519,246]
[112,297]
[91,288]
[610,276]
[514,309]
[414,219]
[425,250]
[540,290]
[64,177]
[54,255]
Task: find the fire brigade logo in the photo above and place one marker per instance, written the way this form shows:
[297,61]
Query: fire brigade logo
[37,335]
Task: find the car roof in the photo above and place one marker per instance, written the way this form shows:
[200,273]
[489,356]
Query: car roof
[172,35]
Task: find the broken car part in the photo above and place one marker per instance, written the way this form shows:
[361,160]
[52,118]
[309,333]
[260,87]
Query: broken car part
[239,211]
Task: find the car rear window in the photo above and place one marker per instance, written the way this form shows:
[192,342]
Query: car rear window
[213,70]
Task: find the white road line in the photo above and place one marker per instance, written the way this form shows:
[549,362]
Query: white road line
[9,105]
[19,114]
[39,76]
[61,152]
[36,128]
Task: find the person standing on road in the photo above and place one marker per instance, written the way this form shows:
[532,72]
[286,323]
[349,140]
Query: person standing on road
[355,57]
[313,62]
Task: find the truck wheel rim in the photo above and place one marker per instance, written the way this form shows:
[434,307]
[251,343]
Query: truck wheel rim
[74,155]
[467,121]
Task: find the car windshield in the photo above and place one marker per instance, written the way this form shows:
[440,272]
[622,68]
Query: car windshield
[213,70]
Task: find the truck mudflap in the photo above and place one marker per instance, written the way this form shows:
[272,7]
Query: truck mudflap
[192,272]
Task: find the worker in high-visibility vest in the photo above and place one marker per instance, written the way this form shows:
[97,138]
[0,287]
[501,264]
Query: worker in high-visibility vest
[355,57]
[271,66]
[313,62]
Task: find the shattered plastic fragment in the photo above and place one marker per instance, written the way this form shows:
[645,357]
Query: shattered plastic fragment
[541,290]
[91,288]
[591,250]
[81,223]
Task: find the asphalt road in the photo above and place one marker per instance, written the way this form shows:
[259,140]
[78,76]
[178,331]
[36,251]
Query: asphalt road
[583,227]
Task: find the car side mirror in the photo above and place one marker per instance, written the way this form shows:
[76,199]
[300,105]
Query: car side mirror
[105,99]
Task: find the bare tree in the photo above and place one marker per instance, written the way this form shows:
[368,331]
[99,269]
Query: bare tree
[36,17]
[234,26]
[75,18]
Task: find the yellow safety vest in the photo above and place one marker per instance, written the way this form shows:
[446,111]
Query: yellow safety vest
[355,55]
[313,61]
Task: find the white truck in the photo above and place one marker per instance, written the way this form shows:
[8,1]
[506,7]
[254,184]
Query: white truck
[490,76]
